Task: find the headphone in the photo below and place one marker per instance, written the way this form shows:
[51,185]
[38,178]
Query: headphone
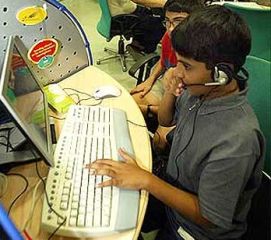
[222,74]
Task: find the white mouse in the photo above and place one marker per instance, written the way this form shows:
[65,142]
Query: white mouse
[106,91]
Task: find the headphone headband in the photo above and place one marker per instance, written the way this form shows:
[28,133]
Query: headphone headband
[244,76]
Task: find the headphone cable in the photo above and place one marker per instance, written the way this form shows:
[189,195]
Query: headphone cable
[201,101]
[187,144]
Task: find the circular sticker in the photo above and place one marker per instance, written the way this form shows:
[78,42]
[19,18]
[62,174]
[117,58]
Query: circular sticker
[46,62]
[42,49]
[31,15]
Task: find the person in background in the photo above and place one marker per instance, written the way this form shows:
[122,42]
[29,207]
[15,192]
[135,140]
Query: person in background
[150,27]
[217,153]
[148,94]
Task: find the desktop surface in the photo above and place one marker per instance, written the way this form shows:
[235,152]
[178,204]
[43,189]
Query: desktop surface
[86,81]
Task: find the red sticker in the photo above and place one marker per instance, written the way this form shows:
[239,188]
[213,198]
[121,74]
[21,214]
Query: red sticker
[41,49]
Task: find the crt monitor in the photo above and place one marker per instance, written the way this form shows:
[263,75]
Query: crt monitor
[24,100]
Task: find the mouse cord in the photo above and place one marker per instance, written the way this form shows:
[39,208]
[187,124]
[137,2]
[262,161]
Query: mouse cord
[85,99]
[23,191]
[80,92]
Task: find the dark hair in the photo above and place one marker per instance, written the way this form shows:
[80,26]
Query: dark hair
[187,6]
[213,35]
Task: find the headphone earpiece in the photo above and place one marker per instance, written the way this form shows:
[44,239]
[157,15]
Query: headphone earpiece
[222,74]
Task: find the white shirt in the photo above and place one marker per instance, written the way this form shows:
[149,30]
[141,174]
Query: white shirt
[121,7]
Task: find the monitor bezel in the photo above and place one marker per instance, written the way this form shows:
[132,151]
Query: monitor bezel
[47,155]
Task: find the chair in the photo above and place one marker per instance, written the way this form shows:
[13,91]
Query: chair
[258,219]
[142,68]
[258,19]
[123,25]
[259,96]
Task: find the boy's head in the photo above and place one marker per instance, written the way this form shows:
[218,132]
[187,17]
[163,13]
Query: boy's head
[178,10]
[213,35]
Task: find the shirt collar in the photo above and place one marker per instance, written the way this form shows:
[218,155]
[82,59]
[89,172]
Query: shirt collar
[222,103]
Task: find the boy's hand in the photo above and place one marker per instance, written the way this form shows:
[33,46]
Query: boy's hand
[171,83]
[143,88]
[124,174]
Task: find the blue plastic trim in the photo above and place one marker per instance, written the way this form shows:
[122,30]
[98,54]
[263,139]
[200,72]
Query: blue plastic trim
[8,226]
[63,9]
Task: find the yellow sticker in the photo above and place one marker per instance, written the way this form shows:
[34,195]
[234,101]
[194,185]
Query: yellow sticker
[31,15]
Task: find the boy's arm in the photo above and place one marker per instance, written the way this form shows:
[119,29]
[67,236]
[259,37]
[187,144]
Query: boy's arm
[151,3]
[146,86]
[166,110]
[127,174]
[167,107]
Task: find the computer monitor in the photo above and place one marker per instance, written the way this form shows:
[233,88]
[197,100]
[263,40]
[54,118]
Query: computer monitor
[24,100]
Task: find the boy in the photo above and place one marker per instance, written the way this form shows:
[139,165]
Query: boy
[216,157]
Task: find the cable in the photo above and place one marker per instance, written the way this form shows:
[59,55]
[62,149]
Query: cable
[6,129]
[7,144]
[77,95]
[57,118]
[24,190]
[95,104]
[75,90]
[33,204]
[84,99]
[27,236]
[59,226]
[3,144]
[201,99]
[136,124]
[48,203]
[186,145]
[9,130]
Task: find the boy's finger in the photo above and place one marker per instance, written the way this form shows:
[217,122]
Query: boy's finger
[126,156]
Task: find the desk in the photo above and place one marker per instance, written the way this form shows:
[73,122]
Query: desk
[85,80]
[252,5]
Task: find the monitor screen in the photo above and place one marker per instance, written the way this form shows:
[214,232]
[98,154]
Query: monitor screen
[22,96]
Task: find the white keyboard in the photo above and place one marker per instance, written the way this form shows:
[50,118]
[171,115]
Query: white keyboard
[89,133]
